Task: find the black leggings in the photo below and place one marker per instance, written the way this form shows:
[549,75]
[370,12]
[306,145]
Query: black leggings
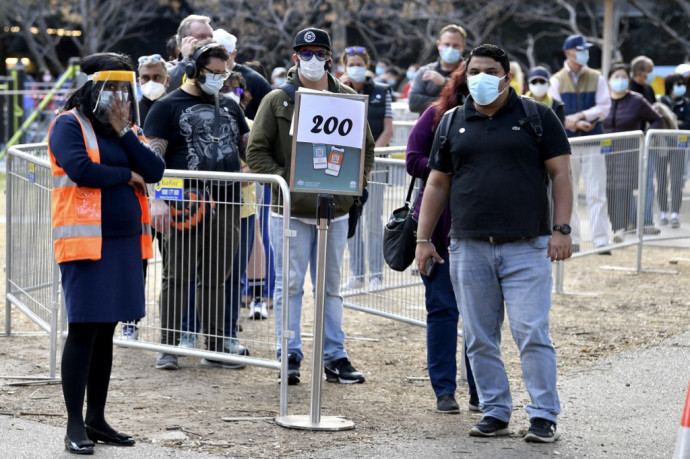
[87,359]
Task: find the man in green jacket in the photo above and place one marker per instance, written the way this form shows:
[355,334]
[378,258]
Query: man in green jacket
[269,152]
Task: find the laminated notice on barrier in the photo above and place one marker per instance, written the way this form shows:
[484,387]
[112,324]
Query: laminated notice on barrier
[32,173]
[682,141]
[606,146]
[171,189]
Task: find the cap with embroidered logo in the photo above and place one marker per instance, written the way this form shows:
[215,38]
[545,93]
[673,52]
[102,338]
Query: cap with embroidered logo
[312,37]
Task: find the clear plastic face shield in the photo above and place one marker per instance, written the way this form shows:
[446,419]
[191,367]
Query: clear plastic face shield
[112,87]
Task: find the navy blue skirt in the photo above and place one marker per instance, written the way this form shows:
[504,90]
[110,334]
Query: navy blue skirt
[107,290]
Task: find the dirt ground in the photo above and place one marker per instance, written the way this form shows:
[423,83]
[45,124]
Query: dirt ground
[605,312]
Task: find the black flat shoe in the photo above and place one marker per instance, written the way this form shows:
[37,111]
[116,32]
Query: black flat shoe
[82,447]
[116,439]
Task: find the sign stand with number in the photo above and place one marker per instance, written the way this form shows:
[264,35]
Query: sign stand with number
[324,213]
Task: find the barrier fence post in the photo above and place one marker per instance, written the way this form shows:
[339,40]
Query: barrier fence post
[324,214]
[683,443]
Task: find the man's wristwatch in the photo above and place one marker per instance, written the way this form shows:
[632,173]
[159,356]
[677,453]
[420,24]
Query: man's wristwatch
[563,228]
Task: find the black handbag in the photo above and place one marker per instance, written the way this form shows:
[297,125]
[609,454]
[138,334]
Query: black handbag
[400,235]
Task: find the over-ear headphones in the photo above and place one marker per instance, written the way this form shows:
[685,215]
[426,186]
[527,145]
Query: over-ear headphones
[192,69]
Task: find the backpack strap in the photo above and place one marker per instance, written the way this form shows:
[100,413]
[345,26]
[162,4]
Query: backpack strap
[290,89]
[529,105]
[443,129]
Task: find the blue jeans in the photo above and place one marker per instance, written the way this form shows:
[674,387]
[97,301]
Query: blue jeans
[263,196]
[302,255]
[233,284]
[485,277]
[442,333]
[371,225]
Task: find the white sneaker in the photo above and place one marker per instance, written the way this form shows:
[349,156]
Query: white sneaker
[130,332]
[375,282]
[618,236]
[233,346]
[188,340]
[355,282]
[258,310]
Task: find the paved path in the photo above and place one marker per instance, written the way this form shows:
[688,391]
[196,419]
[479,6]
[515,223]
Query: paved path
[629,405]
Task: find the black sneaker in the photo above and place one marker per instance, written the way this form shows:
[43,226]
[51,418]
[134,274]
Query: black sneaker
[542,431]
[446,404]
[341,371]
[293,370]
[473,404]
[490,427]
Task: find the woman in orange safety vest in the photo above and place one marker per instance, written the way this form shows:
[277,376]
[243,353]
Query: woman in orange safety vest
[101,231]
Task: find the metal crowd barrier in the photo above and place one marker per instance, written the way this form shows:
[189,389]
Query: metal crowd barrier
[31,275]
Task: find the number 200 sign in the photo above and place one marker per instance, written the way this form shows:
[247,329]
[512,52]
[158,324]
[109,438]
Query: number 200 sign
[331,120]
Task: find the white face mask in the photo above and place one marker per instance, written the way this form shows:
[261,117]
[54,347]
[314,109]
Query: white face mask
[152,90]
[538,89]
[233,96]
[212,84]
[313,69]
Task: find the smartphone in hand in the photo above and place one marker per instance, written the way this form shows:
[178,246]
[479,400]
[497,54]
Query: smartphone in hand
[430,266]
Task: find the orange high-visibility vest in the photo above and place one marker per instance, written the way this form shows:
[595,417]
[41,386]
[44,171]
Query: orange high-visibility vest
[76,210]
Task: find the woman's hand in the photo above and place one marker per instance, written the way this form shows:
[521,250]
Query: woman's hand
[118,112]
[137,182]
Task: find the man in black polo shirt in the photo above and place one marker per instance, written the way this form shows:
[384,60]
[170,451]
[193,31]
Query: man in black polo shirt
[495,169]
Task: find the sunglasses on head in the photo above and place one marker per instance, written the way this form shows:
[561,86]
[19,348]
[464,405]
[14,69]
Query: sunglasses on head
[355,49]
[152,58]
[538,81]
[307,55]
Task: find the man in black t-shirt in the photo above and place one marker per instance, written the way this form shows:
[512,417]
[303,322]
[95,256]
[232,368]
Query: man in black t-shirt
[195,128]
[494,167]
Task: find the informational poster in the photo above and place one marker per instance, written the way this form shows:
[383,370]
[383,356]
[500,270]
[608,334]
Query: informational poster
[329,135]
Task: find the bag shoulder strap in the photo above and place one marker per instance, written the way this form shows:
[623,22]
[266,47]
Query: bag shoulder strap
[290,89]
[529,105]
[444,128]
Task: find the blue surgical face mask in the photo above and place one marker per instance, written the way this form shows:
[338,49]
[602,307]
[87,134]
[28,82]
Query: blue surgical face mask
[449,55]
[484,88]
[582,57]
[679,90]
[212,84]
[650,78]
[357,74]
[280,81]
[619,84]
[380,70]
[411,74]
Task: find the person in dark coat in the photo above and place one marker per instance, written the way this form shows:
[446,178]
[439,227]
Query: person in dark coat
[101,233]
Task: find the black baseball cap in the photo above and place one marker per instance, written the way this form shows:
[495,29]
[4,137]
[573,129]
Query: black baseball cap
[312,37]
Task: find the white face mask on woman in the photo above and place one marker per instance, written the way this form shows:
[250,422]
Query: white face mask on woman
[538,89]
[313,69]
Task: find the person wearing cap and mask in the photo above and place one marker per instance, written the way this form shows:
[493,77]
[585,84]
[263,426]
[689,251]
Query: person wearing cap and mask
[355,61]
[153,81]
[257,85]
[100,164]
[430,79]
[268,152]
[195,128]
[494,176]
[538,82]
[585,93]
[278,76]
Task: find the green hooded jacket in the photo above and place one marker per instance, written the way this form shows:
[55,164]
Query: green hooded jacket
[269,149]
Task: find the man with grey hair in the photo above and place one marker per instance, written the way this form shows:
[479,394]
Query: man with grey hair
[641,77]
[192,29]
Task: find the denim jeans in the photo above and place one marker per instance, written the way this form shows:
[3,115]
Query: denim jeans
[442,333]
[303,252]
[263,196]
[371,225]
[485,277]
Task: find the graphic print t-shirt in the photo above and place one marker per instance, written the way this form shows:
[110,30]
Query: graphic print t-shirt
[187,123]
